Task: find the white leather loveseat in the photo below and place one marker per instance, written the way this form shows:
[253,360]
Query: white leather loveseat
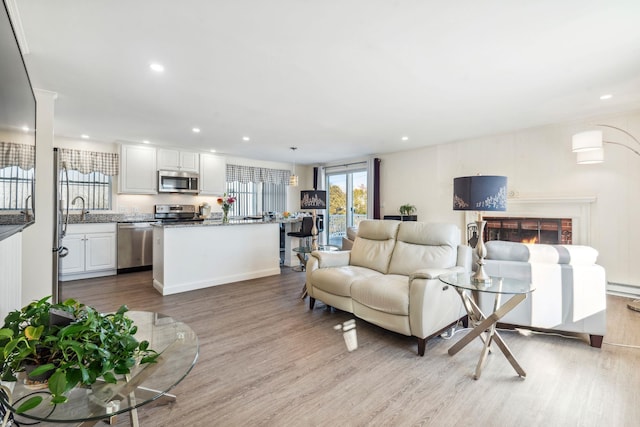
[570,288]
[390,277]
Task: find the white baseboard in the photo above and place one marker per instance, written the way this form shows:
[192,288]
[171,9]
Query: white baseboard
[623,290]
[87,275]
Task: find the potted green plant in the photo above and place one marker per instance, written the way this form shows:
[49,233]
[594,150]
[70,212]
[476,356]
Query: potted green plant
[71,343]
[407,209]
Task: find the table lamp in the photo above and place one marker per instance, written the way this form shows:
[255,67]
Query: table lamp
[313,199]
[480,193]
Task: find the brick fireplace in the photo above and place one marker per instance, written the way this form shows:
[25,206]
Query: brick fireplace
[551,231]
[565,219]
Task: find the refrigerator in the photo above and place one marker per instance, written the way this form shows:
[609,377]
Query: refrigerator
[60,221]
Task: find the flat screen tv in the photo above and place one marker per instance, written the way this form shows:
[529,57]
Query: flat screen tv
[17,135]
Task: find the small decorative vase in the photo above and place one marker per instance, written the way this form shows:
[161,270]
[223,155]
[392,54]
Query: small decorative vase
[225,216]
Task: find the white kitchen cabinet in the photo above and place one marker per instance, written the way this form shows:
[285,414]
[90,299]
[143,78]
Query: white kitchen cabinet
[184,161]
[138,173]
[92,251]
[213,171]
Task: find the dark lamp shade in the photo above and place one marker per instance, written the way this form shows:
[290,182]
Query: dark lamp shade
[480,193]
[313,199]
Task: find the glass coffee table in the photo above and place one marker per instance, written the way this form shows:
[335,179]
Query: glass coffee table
[484,326]
[178,345]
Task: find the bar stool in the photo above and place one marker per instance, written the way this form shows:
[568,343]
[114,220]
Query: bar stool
[305,230]
[304,233]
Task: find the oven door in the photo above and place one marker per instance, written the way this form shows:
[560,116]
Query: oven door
[177,182]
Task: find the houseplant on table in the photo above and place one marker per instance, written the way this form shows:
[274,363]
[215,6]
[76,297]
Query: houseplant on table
[71,343]
[407,209]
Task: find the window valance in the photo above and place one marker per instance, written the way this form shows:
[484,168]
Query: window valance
[90,161]
[21,155]
[246,174]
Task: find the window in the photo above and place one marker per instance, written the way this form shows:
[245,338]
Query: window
[257,190]
[347,202]
[255,198]
[15,186]
[274,197]
[94,188]
[246,198]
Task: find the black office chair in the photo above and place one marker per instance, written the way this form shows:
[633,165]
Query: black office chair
[305,230]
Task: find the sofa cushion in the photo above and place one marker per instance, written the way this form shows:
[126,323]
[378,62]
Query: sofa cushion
[576,254]
[424,245]
[338,280]
[387,293]
[374,244]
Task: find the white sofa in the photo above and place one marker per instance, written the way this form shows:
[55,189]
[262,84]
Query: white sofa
[570,288]
[349,238]
[390,277]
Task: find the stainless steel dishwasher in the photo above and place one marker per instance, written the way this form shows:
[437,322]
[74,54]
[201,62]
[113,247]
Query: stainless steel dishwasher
[135,246]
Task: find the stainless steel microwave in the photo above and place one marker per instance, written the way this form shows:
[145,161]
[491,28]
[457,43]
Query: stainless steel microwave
[177,182]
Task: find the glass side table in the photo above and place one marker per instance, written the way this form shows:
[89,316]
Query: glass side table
[178,345]
[485,326]
[303,251]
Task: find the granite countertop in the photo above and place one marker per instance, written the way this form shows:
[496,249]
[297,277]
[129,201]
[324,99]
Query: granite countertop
[93,218]
[213,222]
[233,221]
[8,230]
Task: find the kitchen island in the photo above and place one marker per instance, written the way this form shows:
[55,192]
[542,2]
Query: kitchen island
[189,256]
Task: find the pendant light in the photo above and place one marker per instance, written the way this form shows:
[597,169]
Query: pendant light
[293,178]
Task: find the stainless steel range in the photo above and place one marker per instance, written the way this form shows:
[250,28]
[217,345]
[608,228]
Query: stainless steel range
[176,213]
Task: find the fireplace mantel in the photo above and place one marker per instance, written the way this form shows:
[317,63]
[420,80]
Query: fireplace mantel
[578,208]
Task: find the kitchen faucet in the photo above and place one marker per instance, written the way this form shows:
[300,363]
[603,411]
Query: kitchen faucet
[27,215]
[82,212]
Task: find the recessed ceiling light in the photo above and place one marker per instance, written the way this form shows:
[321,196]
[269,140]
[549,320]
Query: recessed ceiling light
[607,96]
[145,142]
[213,151]
[196,130]
[84,136]
[246,138]
[25,128]
[405,138]
[158,68]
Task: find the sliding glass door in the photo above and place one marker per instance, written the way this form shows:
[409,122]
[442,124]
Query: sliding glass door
[347,204]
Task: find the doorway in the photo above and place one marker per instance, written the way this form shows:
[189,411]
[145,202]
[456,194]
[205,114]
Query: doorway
[347,204]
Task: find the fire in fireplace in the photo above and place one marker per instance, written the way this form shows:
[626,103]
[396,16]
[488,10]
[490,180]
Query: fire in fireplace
[529,230]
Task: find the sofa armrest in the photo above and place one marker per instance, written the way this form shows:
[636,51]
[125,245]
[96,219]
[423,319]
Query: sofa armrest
[432,304]
[319,260]
[434,273]
[331,259]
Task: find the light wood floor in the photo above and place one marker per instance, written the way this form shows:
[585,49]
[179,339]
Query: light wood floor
[266,360]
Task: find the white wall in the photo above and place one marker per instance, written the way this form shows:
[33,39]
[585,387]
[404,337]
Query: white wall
[37,241]
[537,162]
[11,276]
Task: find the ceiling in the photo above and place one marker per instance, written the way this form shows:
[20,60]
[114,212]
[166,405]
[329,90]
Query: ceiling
[338,79]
